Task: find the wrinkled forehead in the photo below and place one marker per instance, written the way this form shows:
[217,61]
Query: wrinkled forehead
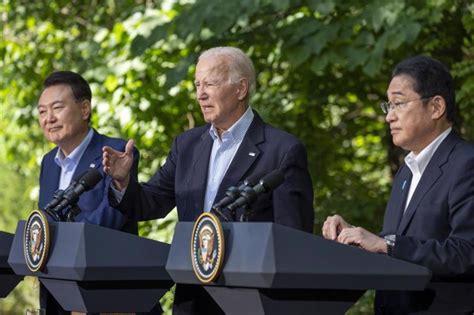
[212,68]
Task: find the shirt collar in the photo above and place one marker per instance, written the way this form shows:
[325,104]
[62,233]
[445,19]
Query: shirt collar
[237,131]
[73,158]
[420,161]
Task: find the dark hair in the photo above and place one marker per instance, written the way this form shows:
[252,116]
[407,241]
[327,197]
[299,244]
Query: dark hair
[431,78]
[79,86]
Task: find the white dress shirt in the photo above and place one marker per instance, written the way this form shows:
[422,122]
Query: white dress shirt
[418,163]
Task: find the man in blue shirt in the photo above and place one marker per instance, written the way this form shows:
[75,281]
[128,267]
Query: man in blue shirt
[64,111]
[234,144]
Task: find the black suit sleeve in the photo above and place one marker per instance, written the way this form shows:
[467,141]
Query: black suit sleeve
[154,199]
[293,199]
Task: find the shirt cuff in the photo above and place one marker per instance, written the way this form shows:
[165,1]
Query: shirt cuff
[117,193]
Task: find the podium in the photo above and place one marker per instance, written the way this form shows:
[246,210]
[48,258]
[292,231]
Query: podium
[8,279]
[273,269]
[96,269]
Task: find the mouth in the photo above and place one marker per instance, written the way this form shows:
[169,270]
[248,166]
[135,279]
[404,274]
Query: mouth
[394,130]
[206,108]
[53,129]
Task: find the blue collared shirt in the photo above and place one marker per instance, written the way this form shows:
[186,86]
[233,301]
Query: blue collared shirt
[68,164]
[223,151]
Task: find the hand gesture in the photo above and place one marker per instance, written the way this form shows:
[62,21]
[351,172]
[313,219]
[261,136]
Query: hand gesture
[118,164]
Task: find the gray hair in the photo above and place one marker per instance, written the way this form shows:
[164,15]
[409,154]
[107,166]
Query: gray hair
[240,65]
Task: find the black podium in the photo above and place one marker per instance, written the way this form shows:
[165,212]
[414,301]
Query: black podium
[95,269]
[8,279]
[273,269]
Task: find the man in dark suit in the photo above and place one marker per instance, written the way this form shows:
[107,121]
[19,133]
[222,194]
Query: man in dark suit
[205,161]
[64,109]
[429,219]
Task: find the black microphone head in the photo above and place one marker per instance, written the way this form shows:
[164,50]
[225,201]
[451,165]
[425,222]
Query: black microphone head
[272,180]
[250,182]
[90,178]
[77,178]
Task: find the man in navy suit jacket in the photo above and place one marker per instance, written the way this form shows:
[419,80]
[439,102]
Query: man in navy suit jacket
[64,109]
[235,144]
[429,219]
[94,205]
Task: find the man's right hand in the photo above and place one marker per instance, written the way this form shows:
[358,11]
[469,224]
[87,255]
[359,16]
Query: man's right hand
[333,226]
[118,164]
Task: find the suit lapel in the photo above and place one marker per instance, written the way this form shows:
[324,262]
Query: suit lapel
[401,187]
[50,179]
[199,173]
[93,153]
[430,176]
[245,156]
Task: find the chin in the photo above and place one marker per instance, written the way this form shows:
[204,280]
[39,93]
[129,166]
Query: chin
[404,146]
[210,119]
[398,141]
[55,140]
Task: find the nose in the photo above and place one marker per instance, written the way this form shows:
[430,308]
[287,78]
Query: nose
[390,116]
[201,92]
[50,117]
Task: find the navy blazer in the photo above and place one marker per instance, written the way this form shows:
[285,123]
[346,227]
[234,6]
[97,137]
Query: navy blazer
[436,231]
[94,205]
[182,180]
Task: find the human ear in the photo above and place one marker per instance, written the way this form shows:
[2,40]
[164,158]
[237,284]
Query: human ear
[438,107]
[86,109]
[243,89]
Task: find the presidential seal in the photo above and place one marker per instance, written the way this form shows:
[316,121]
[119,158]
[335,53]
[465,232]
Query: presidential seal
[207,247]
[36,240]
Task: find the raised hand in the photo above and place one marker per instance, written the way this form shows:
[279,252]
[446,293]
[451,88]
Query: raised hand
[118,164]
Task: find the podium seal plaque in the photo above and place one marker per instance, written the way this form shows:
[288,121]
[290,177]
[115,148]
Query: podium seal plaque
[207,247]
[36,240]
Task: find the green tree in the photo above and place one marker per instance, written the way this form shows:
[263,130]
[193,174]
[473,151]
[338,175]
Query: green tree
[323,68]
[16,201]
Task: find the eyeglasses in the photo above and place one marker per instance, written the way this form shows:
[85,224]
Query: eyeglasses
[387,107]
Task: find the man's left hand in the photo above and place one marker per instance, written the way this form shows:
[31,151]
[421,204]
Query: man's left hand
[362,238]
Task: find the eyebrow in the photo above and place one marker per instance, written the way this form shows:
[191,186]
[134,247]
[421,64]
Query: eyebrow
[397,93]
[50,104]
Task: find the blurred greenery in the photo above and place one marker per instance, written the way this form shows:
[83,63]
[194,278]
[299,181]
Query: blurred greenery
[323,68]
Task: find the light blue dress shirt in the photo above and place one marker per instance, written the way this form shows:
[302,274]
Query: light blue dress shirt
[69,163]
[223,151]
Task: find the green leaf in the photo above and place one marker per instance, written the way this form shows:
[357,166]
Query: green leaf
[298,54]
[319,63]
[325,7]
[300,29]
[318,41]
[356,57]
[140,43]
[375,60]
[281,5]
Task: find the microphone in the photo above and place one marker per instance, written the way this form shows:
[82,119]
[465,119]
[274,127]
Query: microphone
[249,195]
[71,194]
[232,193]
[57,197]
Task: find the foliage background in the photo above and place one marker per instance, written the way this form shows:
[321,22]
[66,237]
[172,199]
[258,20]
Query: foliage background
[323,68]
